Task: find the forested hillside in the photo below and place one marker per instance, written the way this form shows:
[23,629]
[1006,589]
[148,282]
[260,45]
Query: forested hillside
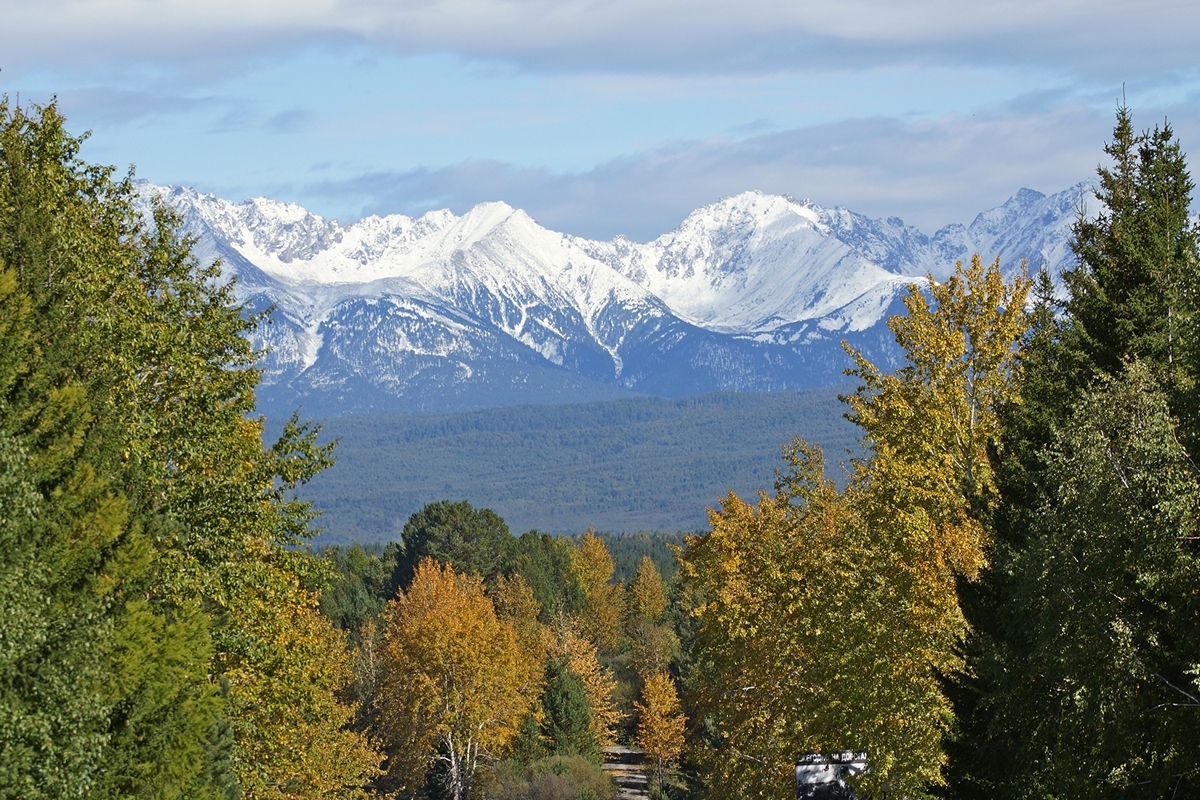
[622,465]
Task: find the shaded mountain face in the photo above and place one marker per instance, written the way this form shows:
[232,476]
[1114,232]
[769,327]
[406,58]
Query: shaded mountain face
[752,293]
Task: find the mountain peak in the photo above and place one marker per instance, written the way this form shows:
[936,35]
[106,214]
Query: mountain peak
[752,292]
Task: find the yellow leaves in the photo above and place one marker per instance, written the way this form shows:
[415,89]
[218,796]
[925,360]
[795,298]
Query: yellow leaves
[648,598]
[604,602]
[451,674]
[939,412]
[598,683]
[661,723]
[290,728]
[827,618]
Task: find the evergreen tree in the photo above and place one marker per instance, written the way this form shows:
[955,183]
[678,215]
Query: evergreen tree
[1074,526]
[473,540]
[567,714]
[161,554]
[104,689]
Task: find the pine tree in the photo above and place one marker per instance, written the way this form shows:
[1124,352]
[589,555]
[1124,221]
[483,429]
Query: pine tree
[1126,334]
[567,715]
[472,540]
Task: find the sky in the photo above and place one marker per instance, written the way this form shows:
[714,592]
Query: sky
[607,117]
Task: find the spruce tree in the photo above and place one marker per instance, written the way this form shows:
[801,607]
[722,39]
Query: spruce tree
[567,725]
[1047,706]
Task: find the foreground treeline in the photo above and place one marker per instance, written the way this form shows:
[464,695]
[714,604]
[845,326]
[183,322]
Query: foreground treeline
[999,600]
[156,635]
[491,665]
[1003,600]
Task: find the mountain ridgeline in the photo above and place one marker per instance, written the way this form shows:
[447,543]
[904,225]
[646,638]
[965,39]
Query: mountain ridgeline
[753,293]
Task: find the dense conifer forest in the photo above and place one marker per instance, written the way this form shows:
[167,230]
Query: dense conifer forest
[996,599]
[620,465]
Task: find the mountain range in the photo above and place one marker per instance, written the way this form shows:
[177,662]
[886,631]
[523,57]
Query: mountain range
[755,292]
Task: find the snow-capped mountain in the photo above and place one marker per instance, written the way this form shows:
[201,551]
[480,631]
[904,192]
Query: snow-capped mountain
[754,292]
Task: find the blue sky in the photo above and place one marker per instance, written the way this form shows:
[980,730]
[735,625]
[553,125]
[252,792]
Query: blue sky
[606,118]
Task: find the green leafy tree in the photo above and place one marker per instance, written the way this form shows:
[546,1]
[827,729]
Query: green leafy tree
[167,535]
[1105,689]
[104,689]
[473,540]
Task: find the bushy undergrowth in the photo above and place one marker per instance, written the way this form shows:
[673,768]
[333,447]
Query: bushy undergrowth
[553,778]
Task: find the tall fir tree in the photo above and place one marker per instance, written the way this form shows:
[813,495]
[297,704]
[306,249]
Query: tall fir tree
[1126,332]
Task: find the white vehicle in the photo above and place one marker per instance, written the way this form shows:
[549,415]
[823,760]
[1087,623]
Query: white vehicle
[823,777]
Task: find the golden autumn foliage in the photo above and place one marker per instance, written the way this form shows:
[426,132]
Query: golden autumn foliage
[929,424]
[661,724]
[290,725]
[604,602]
[652,645]
[452,685]
[829,617]
[647,597]
[598,682]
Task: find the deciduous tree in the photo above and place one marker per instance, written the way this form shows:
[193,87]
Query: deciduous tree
[661,725]
[450,680]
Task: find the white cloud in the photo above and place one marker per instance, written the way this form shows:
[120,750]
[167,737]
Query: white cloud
[929,172]
[1102,37]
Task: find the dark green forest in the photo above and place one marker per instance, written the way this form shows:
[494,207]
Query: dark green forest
[621,465]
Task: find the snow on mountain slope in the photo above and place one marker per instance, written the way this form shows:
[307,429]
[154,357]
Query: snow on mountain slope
[751,292]
[751,263]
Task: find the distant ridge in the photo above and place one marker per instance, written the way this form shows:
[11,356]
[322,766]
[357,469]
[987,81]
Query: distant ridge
[751,293]
[635,464]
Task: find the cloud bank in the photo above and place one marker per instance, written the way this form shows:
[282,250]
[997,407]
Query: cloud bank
[930,172]
[1106,38]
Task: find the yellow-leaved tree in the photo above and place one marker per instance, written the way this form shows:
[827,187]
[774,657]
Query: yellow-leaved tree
[830,617]
[652,645]
[661,725]
[604,602]
[598,682]
[452,686]
[293,731]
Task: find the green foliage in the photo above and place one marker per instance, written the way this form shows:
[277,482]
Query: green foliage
[360,586]
[475,541]
[1079,657]
[567,714]
[1135,292]
[104,689]
[544,561]
[552,778]
[162,543]
[1106,589]
[624,465]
